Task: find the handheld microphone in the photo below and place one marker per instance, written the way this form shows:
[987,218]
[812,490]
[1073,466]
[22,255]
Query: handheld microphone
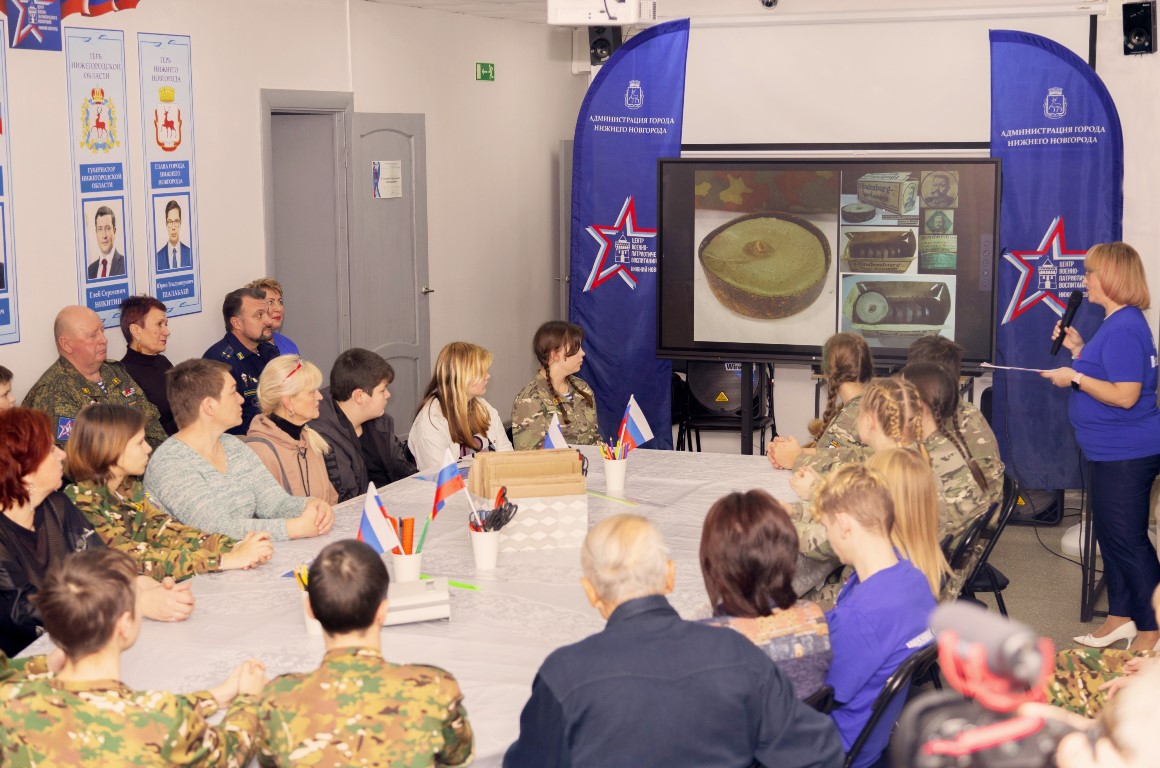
[1073,303]
[1011,648]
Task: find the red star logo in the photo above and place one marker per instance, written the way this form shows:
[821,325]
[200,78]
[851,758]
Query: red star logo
[1052,246]
[607,238]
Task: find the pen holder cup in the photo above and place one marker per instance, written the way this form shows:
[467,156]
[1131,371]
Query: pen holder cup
[614,471]
[407,567]
[485,548]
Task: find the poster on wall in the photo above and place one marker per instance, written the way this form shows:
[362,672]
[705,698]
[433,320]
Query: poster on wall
[34,24]
[9,316]
[95,62]
[170,176]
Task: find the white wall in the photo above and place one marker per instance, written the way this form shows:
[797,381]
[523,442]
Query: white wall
[491,166]
[238,49]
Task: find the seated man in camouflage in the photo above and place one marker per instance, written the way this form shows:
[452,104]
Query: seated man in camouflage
[358,708]
[82,715]
[82,375]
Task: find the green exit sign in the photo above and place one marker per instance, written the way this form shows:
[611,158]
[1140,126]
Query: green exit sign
[484,71]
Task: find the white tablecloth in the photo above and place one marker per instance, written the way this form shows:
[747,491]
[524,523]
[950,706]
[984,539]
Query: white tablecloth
[498,635]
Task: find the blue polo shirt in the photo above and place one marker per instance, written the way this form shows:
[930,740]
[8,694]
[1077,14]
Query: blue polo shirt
[1121,350]
[874,626]
[245,367]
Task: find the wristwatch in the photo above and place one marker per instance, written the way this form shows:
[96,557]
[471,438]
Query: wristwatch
[1075,381]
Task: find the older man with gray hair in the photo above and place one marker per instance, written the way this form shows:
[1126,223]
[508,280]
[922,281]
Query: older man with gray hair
[652,689]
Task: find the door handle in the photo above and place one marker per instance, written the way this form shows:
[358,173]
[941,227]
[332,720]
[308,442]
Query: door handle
[427,290]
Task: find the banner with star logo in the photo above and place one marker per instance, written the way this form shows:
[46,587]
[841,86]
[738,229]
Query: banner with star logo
[34,24]
[631,117]
[1056,129]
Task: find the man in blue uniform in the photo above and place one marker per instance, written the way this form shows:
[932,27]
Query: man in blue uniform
[246,347]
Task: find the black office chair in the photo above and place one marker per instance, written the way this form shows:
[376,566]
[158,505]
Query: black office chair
[822,699]
[963,555]
[986,577]
[917,665]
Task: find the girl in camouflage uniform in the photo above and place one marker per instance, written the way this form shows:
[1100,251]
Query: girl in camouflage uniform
[847,366]
[556,391]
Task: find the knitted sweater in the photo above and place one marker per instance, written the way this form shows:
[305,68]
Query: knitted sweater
[245,498]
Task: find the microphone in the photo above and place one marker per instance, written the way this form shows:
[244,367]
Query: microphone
[1073,303]
[1012,649]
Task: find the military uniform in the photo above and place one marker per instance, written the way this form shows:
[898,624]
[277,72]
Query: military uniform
[960,499]
[160,545]
[246,367]
[46,721]
[982,444]
[1079,673]
[535,405]
[838,443]
[62,392]
[358,709]
[30,665]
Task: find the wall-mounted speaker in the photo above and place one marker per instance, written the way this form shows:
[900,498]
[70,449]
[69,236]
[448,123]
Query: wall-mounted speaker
[602,42]
[1139,28]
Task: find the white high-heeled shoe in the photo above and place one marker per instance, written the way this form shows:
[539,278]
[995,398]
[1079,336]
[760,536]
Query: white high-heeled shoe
[1122,632]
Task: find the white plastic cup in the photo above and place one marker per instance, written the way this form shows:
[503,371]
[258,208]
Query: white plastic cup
[313,627]
[485,548]
[614,476]
[407,567]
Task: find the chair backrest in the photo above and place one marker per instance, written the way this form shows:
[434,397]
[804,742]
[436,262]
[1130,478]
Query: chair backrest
[916,665]
[1010,497]
[961,555]
[822,699]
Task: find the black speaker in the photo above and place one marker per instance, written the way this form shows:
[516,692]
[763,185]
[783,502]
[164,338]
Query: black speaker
[716,388]
[602,42]
[1139,28]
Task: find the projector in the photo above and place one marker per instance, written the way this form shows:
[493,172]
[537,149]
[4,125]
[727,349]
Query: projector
[601,13]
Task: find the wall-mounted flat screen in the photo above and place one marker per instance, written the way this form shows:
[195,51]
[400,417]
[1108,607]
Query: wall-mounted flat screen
[765,259]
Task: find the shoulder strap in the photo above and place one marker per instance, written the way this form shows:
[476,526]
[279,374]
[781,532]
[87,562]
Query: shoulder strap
[277,458]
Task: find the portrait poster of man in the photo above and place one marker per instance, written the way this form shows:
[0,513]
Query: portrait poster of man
[104,243]
[940,189]
[173,251]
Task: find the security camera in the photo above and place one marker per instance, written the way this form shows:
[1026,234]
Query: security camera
[769,3]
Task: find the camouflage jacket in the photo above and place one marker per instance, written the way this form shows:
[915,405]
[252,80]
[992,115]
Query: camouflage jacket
[983,446]
[534,406]
[62,392]
[45,721]
[838,443]
[134,525]
[30,665]
[358,709]
[960,499]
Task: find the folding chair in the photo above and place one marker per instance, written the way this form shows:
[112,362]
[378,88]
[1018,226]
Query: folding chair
[963,555]
[986,577]
[917,664]
[822,699]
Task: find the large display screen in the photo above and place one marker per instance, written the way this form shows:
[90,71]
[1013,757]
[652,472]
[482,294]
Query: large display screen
[765,259]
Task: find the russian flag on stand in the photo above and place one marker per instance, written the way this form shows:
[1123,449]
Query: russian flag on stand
[634,428]
[375,529]
[555,437]
[447,482]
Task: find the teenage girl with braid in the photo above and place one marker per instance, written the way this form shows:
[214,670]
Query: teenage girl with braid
[556,390]
[847,366]
[966,492]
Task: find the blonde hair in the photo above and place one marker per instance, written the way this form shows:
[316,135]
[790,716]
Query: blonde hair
[914,491]
[1121,273]
[459,365]
[267,284]
[286,376]
[861,493]
[895,406]
[625,556]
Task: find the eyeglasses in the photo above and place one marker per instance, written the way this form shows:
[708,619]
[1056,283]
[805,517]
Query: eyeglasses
[173,222]
[106,230]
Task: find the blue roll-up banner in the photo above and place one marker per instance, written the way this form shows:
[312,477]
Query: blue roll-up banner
[9,314]
[1055,128]
[166,74]
[102,202]
[631,117]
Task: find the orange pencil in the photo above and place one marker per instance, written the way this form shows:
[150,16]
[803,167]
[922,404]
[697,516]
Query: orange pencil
[408,534]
